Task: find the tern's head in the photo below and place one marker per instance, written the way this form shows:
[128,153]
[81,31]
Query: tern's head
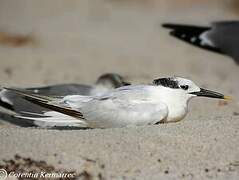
[111,80]
[187,88]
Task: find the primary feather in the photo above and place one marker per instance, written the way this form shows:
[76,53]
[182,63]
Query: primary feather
[48,102]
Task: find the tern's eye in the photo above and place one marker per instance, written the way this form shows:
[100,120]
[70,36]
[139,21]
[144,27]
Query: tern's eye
[185,87]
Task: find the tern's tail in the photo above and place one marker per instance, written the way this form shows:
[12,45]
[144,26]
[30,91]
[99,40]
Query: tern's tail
[194,35]
[48,102]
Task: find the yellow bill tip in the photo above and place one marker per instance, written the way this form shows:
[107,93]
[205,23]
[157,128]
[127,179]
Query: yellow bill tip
[227,97]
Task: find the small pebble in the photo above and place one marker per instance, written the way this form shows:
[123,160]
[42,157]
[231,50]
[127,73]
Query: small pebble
[166,171]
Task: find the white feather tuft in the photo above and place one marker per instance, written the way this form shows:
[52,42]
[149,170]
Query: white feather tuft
[53,119]
[205,40]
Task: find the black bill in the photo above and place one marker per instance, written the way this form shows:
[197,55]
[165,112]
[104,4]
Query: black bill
[211,94]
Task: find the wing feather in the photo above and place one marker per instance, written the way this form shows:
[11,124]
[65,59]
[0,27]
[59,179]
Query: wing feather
[125,107]
[48,102]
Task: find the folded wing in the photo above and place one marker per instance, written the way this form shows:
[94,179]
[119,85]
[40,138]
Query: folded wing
[122,107]
[51,103]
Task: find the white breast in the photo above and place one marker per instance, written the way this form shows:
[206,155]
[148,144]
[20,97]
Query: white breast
[176,112]
[176,102]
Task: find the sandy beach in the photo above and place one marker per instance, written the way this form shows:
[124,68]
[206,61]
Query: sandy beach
[50,42]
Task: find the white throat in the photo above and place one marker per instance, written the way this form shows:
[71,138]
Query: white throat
[176,101]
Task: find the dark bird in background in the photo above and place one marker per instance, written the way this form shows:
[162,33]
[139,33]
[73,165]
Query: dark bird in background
[221,37]
[15,103]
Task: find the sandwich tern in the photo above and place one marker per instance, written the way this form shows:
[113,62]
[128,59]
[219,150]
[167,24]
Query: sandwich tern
[163,101]
[221,37]
[16,103]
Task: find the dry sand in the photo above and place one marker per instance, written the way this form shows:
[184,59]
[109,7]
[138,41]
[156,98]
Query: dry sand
[76,41]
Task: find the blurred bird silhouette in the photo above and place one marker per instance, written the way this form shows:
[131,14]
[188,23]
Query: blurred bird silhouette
[221,37]
[14,102]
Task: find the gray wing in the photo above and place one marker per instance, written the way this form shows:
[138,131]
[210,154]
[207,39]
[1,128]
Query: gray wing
[62,90]
[222,37]
[123,108]
[15,102]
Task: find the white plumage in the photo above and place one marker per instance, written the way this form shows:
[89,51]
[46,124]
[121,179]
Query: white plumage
[166,100]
